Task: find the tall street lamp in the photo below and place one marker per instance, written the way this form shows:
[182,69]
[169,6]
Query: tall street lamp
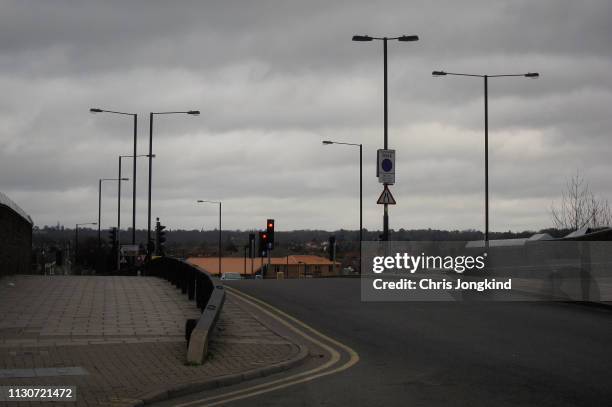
[328,142]
[403,38]
[100,203]
[532,75]
[134,154]
[189,112]
[219,203]
[76,239]
[119,209]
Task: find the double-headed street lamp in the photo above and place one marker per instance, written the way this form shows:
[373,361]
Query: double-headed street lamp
[219,203]
[403,38]
[76,239]
[328,142]
[135,116]
[150,155]
[532,75]
[100,203]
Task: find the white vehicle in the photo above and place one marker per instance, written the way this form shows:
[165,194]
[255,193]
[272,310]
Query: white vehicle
[231,276]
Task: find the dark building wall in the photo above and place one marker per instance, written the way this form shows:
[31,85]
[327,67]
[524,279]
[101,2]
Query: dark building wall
[15,242]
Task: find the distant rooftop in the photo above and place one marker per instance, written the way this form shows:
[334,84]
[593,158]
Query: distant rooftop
[236,264]
[580,232]
[8,202]
[510,242]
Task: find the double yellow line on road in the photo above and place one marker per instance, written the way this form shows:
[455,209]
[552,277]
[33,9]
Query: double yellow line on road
[306,332]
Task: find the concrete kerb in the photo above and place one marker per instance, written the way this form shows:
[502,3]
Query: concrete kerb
[222,381]
[185,276]
[198,340]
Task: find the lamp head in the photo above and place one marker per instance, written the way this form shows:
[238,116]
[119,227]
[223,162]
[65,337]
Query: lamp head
[327,142]
[194,112]
[532,75]
[408,38]
[362,38]
[438,73]
[95,110]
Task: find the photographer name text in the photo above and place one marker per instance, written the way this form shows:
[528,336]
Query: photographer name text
[431,284]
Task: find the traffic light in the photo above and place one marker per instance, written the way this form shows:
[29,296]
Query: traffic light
[160,238]
[112,237]
[270,230]
[263,243]
[332,248]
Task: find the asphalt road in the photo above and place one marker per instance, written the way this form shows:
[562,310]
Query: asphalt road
[451,353]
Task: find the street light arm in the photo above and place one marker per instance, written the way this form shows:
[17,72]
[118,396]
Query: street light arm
[339,142]
[444,73]
[362,38]
[408,38]
[527,75]
[403,38]
[96,110]
[191,112]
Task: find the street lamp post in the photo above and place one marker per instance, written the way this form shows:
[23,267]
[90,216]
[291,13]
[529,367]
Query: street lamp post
[220,253]
[150,155]
[328,142]
[403,38]
[486,130]
[76,239]
[100,203]
[134,155]
[246,248]
[119,209]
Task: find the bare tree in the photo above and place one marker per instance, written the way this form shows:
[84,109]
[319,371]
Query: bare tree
[579,207]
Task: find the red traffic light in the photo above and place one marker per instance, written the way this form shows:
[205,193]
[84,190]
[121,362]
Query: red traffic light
[264,236]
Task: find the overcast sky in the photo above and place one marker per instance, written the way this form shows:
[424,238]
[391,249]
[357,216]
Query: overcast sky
[275,78]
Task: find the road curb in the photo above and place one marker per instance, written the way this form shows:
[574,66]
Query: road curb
[221,381]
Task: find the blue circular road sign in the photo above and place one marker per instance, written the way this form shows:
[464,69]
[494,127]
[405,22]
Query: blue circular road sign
[386,165]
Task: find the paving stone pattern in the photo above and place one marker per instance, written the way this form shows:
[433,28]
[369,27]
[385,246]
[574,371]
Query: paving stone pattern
[126,333]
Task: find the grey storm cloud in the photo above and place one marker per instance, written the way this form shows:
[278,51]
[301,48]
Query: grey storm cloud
[273,79]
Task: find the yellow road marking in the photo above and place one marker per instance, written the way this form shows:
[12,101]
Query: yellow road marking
[334,356]
[297,321]
[290,380]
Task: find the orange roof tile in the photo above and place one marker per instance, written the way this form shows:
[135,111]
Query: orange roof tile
[236,264]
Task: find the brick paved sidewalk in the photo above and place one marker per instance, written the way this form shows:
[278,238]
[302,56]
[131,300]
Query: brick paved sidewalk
[125,333]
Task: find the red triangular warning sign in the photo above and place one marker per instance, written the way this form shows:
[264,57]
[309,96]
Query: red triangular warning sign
[386,197]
